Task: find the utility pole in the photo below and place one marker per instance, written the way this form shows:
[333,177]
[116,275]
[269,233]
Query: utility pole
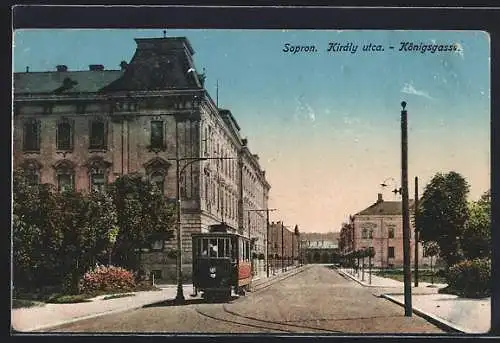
[282,248]
[180,294]
[267,210]
[416,231]
[406,215]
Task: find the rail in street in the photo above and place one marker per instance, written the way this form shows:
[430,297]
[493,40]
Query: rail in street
[314,299]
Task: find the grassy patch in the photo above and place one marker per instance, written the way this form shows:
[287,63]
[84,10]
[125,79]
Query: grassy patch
[423,276]
[23,303]
[69,299]
[116,296]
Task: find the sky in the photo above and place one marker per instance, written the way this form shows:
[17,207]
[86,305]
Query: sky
[326,124]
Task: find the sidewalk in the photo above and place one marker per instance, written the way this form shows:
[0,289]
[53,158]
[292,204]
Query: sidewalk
[472,316]
[50,315]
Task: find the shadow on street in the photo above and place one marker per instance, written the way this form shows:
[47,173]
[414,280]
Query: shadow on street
[172,302]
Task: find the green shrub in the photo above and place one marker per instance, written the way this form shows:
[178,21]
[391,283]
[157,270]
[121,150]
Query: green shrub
[116,296]
[108,279]
[68,299]
[470,278]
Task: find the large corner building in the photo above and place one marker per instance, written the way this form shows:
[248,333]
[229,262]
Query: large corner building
[84,129]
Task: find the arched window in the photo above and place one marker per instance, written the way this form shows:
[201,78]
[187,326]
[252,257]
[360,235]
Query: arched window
[157,170]
[65,175]
[32,171]
[157,178]
[98,170]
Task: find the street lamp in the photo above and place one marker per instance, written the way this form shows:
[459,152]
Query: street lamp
[190,160]
[406,214]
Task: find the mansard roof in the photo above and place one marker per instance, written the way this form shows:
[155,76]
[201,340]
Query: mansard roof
[158,64]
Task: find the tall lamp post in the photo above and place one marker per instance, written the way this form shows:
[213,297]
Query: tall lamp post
[179,170]
[406,215]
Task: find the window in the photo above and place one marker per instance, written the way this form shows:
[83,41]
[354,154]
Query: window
[391,232]
[98,173]
[64,135]
[32,177]
[31,137]
[97,135]
[65,182]
[371,234]
[158,179]
[98,181]
[364,233]
[157,134]
[157,245]
[205,143]
[390,252]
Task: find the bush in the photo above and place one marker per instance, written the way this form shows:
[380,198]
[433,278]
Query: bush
[470,278]
[68,299]
[108,279]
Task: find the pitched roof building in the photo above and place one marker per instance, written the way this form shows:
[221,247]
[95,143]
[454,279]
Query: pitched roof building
[380,226]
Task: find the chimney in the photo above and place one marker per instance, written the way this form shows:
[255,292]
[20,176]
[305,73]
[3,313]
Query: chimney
[27,69]
[62,67]
[380,199]
[96,67]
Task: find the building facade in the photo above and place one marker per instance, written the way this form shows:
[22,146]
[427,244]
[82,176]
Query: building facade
[84,129]
[381,226]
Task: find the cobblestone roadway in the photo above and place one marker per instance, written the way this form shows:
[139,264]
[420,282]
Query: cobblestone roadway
[317,300]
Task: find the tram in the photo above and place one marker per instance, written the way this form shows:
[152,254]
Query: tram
[221,263]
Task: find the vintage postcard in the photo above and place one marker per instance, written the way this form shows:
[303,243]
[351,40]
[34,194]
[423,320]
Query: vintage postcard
[251,181]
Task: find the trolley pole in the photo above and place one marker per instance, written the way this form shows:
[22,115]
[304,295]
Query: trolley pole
[416,231]
[406,216]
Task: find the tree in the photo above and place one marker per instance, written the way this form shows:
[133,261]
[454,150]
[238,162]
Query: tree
[431,249]
[142,216]
[443,214]
[476,238]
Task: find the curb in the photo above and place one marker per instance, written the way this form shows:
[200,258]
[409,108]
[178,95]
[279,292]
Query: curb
[439,322]
[77,319]
[276,278]
[361,282]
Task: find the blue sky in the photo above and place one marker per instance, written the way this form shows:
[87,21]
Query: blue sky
[326,125]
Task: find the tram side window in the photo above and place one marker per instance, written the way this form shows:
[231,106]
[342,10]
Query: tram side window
[213,247]
[247,251]
[222,248]
[204,247]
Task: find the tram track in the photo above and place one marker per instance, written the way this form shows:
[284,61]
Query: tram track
[232,317]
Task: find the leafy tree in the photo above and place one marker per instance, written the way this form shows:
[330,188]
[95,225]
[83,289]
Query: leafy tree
[431,249]
[476,239]
[142,216]
[35,238]
[443,214]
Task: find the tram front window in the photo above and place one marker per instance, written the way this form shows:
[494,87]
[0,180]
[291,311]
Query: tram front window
[214,247]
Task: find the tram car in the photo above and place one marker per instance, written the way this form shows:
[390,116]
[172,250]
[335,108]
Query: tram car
[221,263]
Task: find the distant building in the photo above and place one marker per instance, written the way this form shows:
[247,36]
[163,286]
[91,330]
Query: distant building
[319,247]
[381,226]
[83,129]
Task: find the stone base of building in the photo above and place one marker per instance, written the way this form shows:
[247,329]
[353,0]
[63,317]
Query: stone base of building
[164,268]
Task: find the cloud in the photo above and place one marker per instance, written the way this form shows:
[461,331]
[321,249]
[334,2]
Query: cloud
[409,89]
[460,50]
[304,110]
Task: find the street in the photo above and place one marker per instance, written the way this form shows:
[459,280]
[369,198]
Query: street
[316,300]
